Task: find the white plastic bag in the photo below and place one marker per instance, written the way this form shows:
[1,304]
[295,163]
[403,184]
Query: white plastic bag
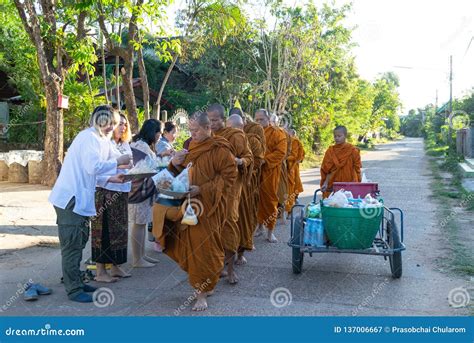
[189,217]
[337,199]
[181,182]
[144,166]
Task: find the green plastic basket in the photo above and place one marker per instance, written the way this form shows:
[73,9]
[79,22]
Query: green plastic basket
[351,228]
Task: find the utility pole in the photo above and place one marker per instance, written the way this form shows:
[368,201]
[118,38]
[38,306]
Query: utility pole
[450,107]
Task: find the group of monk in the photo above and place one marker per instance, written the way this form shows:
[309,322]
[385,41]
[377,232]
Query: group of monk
[245,176]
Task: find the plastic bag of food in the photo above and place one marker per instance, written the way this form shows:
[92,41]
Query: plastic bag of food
[189,217]
[337,199]
[163,179]
[181,182]
[144,166]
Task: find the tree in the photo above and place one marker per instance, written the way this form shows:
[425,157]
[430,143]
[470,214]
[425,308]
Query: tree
[55,46]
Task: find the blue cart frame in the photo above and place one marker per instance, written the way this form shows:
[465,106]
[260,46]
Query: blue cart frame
[387,243]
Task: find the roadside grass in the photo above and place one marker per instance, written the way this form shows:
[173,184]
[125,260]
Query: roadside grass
[449,193]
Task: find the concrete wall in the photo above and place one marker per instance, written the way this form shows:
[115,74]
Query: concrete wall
[465,142]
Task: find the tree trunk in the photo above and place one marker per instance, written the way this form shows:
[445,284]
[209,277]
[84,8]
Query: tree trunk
[53,142]
[117,82]
[129,95]
[144,79]
[104,71]
[157,106]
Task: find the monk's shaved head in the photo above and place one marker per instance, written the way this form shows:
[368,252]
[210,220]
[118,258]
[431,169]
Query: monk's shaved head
[262,117]
[235,121]
[340,134]
[342,129]
[200,118]
[217,108]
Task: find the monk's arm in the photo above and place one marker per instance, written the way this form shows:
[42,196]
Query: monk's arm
[301,153]
[274,158]
[244,153]
[357,164]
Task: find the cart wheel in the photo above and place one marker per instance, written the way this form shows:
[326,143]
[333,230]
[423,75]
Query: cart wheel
[297,255]
[394,243]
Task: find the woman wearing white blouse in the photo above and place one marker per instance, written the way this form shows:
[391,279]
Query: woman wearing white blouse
[141,213]
[73,194]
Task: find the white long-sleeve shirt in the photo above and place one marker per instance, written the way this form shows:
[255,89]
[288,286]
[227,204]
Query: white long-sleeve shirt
[86,158]
[116,150]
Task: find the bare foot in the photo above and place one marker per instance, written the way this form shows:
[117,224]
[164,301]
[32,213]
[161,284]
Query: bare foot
[259,231]
[241,260]
[143,264]
[157,247]
[116,271]
[105,278]
[150,259]
[210,293]
[201,302]
[232,278]
[224,273]
[253,247]
[271,237]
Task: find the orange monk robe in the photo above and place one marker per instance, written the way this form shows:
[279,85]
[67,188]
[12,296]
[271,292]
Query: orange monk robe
[295,186]
[198,249]
[275,152]
[341,163]
[231,232]
[283,184]
[249,197]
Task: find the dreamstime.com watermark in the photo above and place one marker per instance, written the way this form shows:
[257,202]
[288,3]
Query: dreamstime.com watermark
[370,298]
[198,289]
[46,331]
[22,287]
[463,204]
[103,297]
[281,297]
[460,297]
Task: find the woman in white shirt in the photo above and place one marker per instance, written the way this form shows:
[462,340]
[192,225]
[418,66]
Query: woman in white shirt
[73,194]
[141,213]
[109,231]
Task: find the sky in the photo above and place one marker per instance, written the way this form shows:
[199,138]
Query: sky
[414,39]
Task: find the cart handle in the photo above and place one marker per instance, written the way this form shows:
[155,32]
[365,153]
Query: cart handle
[401,220]
[292,216]
[316,194]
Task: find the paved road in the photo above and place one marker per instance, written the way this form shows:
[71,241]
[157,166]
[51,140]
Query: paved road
[331,284]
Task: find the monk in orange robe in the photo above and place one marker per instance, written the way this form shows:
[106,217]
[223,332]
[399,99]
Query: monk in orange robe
[341,162]
[275,152]
[198,249]
[231,231]
[247,205]
[283,185]
[295,187]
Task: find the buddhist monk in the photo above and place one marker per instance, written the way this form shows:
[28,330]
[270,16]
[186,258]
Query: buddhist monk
[295,187]
[250,194]
[243,158]
[198,249]
[245,224]
[275,152]
[283,184]
[341,162]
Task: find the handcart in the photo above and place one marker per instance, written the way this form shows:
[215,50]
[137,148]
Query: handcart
[388,241]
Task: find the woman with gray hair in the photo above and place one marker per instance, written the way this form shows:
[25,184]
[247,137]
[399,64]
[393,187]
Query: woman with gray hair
[73,194]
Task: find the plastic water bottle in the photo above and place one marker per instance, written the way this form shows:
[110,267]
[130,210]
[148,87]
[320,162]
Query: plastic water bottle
[307,233]
[318,233]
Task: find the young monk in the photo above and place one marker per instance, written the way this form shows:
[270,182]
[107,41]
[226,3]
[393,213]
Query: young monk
[198,249]
[296,156]
[243,157]
[341,162]
[275,153]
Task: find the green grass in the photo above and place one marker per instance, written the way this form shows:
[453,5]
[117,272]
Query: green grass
[448,194]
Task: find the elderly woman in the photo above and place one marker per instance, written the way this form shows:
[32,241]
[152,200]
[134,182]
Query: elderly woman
[73,194]
[110,226]
[164,147]
[141,213]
